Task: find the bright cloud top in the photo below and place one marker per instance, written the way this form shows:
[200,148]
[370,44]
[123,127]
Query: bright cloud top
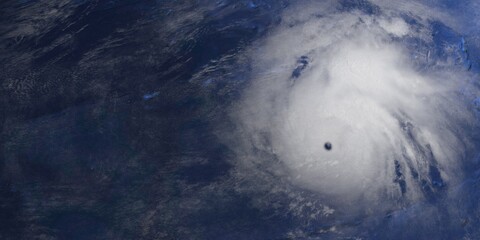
[397,130]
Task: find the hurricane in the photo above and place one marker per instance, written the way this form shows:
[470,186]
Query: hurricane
[356,107]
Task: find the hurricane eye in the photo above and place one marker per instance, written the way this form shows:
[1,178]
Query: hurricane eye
[328,146]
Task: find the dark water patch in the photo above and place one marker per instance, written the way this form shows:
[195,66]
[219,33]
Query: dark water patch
[11,211]
[78,225]
[399,177]
[236,218]
[302,63]
[362,5]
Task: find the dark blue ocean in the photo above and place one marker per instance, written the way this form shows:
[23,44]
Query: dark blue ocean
[119,120]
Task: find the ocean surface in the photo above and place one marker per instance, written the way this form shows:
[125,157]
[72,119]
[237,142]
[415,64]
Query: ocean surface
[206,119]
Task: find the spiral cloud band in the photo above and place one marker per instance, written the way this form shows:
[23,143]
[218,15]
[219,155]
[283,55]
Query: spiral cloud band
[373,86]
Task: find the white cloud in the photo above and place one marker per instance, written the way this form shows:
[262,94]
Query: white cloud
[360,91]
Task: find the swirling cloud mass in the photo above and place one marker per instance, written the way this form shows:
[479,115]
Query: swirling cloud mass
[374,83]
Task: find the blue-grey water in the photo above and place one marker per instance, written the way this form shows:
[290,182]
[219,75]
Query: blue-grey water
[196,119]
